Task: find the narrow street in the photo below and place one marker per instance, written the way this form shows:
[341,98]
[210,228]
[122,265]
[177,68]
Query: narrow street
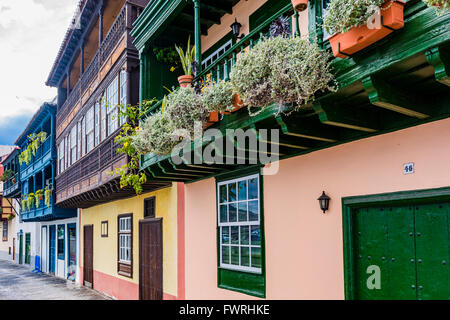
[19,283]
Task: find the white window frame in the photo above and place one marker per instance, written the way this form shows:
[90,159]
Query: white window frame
[90,123]
[73,145]
[112,98]
[239,224]
[125,239]
[97,124]
[123,87]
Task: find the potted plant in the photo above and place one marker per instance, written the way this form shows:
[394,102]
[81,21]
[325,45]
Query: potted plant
[156,133]
[281,70]
[441,6]
[356,26]
[185,108]
[6,175]
[42,136]
[30,200]
[300,5]
[39,194]
[48,195]
[24,204]
[186,59]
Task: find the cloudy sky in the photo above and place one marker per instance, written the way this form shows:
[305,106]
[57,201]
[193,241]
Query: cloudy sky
[31,32]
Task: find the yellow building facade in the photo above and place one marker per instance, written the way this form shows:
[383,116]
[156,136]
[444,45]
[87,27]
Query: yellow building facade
[108,276]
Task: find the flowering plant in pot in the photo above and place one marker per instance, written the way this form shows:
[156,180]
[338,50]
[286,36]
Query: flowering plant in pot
[218,97]
[359,23]
[48,195]
[39,197]
[184,108]
[186,58]
[156,133]
[6,175]
[441,6]
[30,200]
[284,70]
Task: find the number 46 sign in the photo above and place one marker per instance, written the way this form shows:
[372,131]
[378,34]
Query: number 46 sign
[408,168]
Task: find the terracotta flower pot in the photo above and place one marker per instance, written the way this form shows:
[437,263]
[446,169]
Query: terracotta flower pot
[185,81]
[238,104]
[213,118]
[300,5]
[347,43]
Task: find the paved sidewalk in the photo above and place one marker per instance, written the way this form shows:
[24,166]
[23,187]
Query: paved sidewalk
[17,282]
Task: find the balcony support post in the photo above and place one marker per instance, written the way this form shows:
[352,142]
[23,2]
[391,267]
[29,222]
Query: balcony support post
[198,35]
[141,75]
[297,24]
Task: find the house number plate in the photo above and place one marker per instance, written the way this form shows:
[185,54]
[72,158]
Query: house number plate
[408,168]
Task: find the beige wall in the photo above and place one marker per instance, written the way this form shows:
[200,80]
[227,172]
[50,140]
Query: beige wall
[304,247]
[242,11]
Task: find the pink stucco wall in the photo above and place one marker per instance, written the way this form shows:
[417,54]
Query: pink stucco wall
[304,247]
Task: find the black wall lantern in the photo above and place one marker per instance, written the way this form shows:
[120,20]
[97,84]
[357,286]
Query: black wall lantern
[236,27]
[324,202]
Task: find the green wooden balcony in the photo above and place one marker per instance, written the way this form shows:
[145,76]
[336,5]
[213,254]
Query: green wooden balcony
[398,82]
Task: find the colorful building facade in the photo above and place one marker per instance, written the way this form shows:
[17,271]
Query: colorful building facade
[374,148]
[47,244]
[96,73]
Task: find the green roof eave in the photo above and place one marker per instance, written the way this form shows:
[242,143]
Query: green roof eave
[152,21]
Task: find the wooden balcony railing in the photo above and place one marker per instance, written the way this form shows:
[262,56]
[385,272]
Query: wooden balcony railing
[90,165]
[44,148]
[122,24]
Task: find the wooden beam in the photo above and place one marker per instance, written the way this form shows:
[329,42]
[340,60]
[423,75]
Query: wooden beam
[390,97]
[345,117]
[440,60]
[221,7]
[306,130]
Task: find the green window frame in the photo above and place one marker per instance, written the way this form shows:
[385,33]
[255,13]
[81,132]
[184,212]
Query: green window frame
[240,234]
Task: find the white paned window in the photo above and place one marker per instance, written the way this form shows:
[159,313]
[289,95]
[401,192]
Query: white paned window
[61,157]
[125,239]
[79,140]
[123,94]
[73,145]
[90,130]
[97,123]
[66,152]
[83,136]
[103,117]
[239,224]
[112,98]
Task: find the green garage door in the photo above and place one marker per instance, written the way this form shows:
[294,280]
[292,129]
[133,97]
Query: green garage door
[402,252]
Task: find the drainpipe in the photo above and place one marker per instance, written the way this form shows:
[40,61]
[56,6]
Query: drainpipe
[198,35]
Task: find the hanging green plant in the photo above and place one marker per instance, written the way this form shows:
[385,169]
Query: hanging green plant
[129,173]
[24,204]
[441,6]
[156,133]
[30,200]
[42,136]
[39,194]
[281,70]
[218,96]
[6,175]
[47,196]
[168,56]
[185,108]
[346,14]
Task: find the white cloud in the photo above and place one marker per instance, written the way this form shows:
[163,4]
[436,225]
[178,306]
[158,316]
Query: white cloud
[31,32]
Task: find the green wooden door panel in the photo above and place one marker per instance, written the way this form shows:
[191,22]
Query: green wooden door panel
[20,249]
[371,245]
[27,248]
[400,269]
[432,251]
[383,241]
